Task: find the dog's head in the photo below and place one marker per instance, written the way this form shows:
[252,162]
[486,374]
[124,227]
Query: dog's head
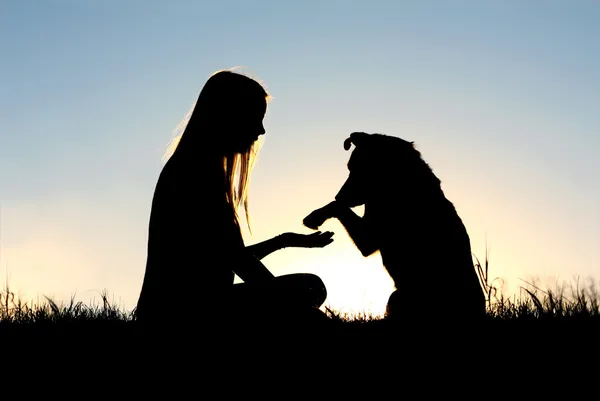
[374,162]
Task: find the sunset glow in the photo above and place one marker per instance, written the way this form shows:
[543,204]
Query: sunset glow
[500,99]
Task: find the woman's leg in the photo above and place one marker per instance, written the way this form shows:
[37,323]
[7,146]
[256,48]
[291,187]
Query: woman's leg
[302,289]
[288,301]
[290,290]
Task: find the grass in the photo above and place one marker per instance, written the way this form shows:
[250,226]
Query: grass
[566,306]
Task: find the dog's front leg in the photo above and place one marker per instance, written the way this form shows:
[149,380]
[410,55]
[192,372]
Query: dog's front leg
[358,229]
[316,218]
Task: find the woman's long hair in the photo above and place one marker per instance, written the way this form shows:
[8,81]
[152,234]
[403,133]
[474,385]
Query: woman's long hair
[201,132]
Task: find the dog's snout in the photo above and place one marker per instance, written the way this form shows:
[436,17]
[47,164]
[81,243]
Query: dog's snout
[351,194]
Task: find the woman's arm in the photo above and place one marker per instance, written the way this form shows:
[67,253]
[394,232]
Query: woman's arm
[250,269]
[291,240]
[262,249]
[241,260]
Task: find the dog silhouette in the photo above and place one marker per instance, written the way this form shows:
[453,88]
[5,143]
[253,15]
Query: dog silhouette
[423,243]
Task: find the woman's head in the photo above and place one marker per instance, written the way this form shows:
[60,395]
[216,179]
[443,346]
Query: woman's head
[227,116]
[230,110]
[225,123]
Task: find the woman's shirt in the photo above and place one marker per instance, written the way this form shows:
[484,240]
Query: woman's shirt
[193,240]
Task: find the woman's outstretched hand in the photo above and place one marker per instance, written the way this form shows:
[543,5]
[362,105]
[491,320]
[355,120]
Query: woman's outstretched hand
[319,216]
[315,240]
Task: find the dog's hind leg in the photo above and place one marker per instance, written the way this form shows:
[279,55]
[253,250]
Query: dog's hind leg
[394,305]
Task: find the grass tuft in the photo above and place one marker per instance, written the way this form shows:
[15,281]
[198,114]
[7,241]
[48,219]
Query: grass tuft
[570,303]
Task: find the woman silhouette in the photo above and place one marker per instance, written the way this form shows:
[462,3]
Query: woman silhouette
[195,244]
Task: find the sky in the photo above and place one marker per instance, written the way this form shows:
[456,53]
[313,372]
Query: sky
[500,97]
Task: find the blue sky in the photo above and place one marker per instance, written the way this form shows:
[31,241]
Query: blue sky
[500,97]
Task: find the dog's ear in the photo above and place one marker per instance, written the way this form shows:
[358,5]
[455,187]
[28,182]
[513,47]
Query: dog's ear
[355,138]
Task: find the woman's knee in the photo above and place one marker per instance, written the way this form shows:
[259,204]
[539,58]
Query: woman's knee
[309,284]
[317,289]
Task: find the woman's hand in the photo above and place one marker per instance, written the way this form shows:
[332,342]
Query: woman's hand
[319,216]
[315,240]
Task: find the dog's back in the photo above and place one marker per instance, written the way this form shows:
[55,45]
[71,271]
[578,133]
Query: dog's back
[426,251]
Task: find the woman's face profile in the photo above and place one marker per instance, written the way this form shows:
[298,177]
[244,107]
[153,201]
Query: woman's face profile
[247,126]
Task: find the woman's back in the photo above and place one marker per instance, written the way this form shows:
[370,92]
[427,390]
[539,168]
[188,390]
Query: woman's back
[191,227]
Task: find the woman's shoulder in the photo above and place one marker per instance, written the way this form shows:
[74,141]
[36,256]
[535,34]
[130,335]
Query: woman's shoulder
[176,178]
[181,171]
[179,187]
